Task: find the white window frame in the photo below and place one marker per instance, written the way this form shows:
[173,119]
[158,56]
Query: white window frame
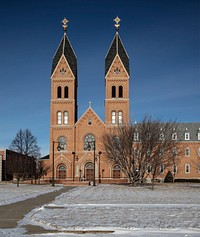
[162,137]
[136,136]
[198,135]
[59,117]
[162,169]
[113,117]
[187,168]
[187,136]
[65,117]
[174,169]
[174,136]
[120,116]
[187,150]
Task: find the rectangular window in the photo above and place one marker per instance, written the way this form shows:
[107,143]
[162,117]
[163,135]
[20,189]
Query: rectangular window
[187,151]
[174,169]
[136,136]
[120,117]
[198,168]
[59,118]
[113,117]
[187,136]
[187,168]
[65,117]
[162,168]
[174,136]
[199,136]
[162,137]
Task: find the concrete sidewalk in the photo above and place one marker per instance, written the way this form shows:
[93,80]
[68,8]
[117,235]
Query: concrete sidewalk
[12,213]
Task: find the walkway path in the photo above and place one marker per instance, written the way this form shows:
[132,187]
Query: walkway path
[12,213]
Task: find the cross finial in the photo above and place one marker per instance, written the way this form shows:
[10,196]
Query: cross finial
[90,104]
[65,21]
[117,20]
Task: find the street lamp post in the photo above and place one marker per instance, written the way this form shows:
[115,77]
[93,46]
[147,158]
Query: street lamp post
[58,148]
[99,167]
[73,153]
[89,148]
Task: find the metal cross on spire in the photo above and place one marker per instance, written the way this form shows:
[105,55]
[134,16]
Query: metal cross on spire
[65,21]
[117,20]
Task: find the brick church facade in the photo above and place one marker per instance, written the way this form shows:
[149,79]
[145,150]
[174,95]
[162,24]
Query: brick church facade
[75,161]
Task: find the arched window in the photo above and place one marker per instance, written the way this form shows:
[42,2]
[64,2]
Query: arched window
[66,91]
[59,118]
[62,141]
[187,151]
[162,168]
[116,172]
[187,168]
[113,117]
[120,91]
[113,91]
[120,117]
[61,171]
[65,117]
[174,169]
[89,139]
[59,93]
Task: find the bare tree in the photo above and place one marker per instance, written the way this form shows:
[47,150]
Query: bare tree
[25,143]
[118,144]
[142,149]
[158,150]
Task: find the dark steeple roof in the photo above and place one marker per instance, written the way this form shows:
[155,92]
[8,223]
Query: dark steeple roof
[117,48]
[66,49]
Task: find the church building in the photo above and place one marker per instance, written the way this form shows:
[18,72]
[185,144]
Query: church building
[79,140]
[76,151]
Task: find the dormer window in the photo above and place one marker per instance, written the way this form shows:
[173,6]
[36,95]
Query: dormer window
[136,136]
[187,136]
[198,135]
[162,136]
[174,136]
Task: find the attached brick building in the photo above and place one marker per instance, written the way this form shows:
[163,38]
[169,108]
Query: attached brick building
[74,161]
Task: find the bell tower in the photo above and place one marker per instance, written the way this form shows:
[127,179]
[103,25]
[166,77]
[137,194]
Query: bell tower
[117,77]
[63,104]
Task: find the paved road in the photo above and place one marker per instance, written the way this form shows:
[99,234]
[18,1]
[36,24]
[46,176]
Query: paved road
[12,213]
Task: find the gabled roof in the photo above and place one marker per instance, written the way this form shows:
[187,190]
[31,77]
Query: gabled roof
[85,114]
[66,49]
[117,47]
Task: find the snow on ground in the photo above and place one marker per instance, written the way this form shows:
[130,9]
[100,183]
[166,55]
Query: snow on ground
[10,193]
[169,210]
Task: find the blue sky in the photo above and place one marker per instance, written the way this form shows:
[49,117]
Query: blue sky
[161,37]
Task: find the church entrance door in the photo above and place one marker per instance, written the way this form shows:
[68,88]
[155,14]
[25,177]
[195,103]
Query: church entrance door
[61,172]
[89,171]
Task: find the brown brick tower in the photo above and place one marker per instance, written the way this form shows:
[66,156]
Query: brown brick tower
[117,82]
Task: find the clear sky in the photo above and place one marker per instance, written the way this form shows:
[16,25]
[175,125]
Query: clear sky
[162,38]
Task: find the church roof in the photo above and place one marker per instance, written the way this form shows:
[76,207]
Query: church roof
[117,48]
[65,49]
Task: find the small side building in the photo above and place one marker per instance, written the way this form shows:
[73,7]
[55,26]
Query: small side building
[13,164]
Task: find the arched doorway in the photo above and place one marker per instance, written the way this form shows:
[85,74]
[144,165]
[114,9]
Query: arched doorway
[116,172]
[61,172]
[89,171]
